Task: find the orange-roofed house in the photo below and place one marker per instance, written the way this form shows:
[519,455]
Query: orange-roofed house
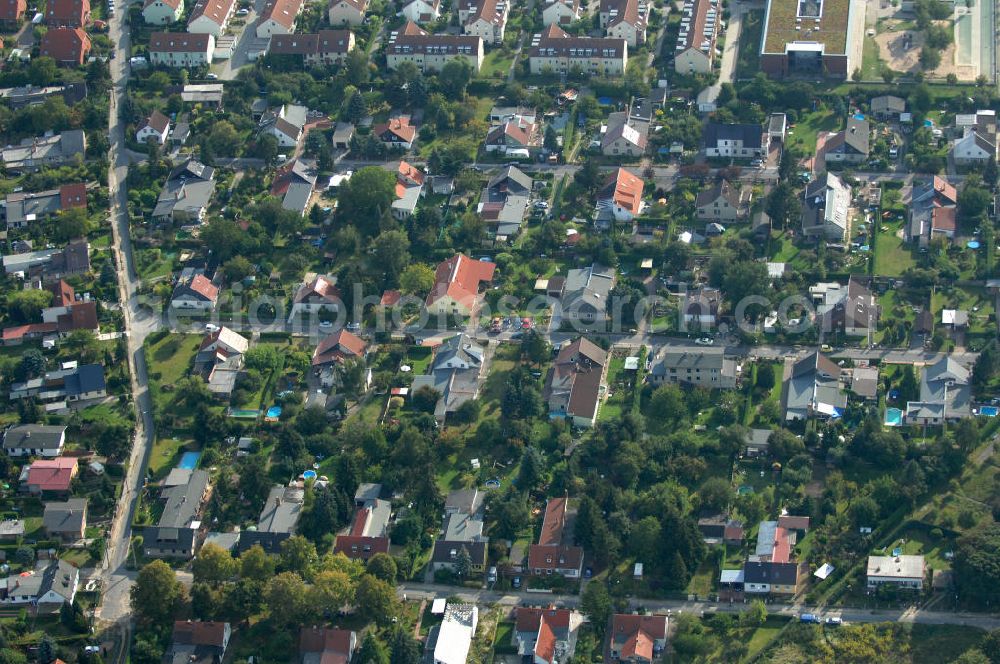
[51,476]
[333,351]
[368,532]
[67,46]
[620,199]
[324,645]
[546,635]
[67,13]
[397,133]
[554,553]
[195,292]
[12,12]
[456,286]
[315,295]
[278,18]
[409,188]
[636,639]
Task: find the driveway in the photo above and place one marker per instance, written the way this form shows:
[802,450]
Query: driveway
[228,69]
[727,67]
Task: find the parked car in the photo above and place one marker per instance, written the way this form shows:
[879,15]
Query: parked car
[834,621]
[705,341]
[516,582]
[809,618]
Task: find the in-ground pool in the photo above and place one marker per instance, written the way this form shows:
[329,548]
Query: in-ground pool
[309,475]
[988,411]
[893,417]
[274,412]
[189,460]
[972,244]
[243,413]
[493,484]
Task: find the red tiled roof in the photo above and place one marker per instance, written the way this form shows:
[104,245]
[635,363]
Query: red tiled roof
[625,189]
[353,546]
[554,521]
[782,546]
[12,10]
[945,189]
[65,45]
[204,287]
[52,474]
[63,294]
[793,522]
[81,316]
[282,12]
[360,5]
[390,298]
[409,172]
[215,10]
[200,633]
[639,644]
[337,347]
[72,195]
[30,330]
[173,4]
[319,639]
[320,287]
[459,278]
[545,645]
[943,219]
[399,127]
[625,624]
[528,618]
[178,42]
[72,13]
[554,557]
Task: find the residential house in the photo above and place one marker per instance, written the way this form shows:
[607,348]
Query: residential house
[697,38]
[850,146]
[343,132]
[195,292]
[825,207]
[758,442]
[620,199]
[624,136]
[461,530]
[456,286]
[545,635]
[409,188]
[278,520]
[337,349]
[978,143]
[454,635]
[12,13]
[155,128]
[11,530]
[504,202]
[67,46]
[864,383]
[47,588]
[456,373]
[793,523]
[887,107]
[464,501]
[162,12]
[906,572]
[554,553]
[211,17]
[774,578]
[34,440]
[515,134]
[932,209]
[422,11]
[34,153]
[294,183]
[955,319]
[585,294]
[558,52]
[220,360]
[67,13]
[180,49]
[700,307]
[723,202]
[396,132]
[199,642]
[945,394]
[702,367]
[431,52]
[174,534]
[67,313]
[636,639]
[278,18]
[326,47]
[368,533]
[625,19]
[22,208]
[186,193]
[740,141]
[486,19]
[718,528]
[208,95]
[562,12]
[347,12]
[852,310]
[575,385]
[812,388]
[286,124]
[324,645]
[71,383]
[316,295]
[33,95]
[774,543]
[50,477]
[65,521]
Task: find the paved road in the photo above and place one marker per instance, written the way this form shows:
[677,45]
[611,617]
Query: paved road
[228,69]
[430,591]
[114,608]
[727,66]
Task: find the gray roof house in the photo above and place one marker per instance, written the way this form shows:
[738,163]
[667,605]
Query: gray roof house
[460,531]
[945,394]
[585,293]
[851,145]
[186,193]
[455,373]
[468,501]
[744,141]
[51,584]
[296,183]
[812,387]
[825,208]
[706,367]
[758,442]
[66,521]
[38,440]
[886,107]
[34,153]
[174,534]
[504,202]
[932,209]
[73,383]
[723,202]
[277,521]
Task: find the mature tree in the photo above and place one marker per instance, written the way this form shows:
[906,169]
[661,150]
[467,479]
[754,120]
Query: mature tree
[765,376]
[256,565]
[425,399]
[667,403]
[43,71]
[644,539]
[595,602]
[383,567]
[71,224]
[391,251]
[214,565]
[32,364]
[27,305]
[237,268]
[977,566]
[454,78]
[509,511]
[286,598]
[755,615]
[356,109]
[356,67]
[536,348]
[266,148]
[417,279]
[376,600]
[529,474]
[715,494]
[783,444]
[403,647]
[372,651]
[331,590]
[366,199]
[155,594]
[463,563]
[223,139]
[223,237]
[298,555]
[47,650]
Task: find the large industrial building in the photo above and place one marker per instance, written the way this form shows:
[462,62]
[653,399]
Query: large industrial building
[812,38]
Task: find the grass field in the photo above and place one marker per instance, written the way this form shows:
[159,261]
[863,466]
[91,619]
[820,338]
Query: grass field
[496,62]
[748,56]
[871,65]
[893,255]
[803,136]
[170,359]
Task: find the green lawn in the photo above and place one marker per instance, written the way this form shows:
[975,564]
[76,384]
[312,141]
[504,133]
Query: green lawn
[871,65]
[803,135]
[496,62]
[170,359]
[419,359]
[503,363]
[764,635]
[166,451]
[748,56]
[893,255]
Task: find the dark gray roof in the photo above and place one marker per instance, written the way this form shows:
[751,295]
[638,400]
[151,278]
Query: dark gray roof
[281,511]
[88,378]
[67,517]
[183,501]
[157,537]
[33,436]
[752,135]
[514,179]
[443,550]
[770,572]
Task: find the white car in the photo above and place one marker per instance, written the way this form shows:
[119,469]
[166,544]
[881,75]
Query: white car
[326,323]
[835,621]
[212,77]
[705,341]
[242,12]
[211,327]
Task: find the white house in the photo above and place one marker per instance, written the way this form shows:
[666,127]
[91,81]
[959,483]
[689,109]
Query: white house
[195,292]
[286,125]
[154,128]
[48,587]
[278,18]
[179,49]
[456,632]
[162,12]
[316,295]
[561,12]
[900,571]
[347,12]
[36,440]
[422,11]
[211,17]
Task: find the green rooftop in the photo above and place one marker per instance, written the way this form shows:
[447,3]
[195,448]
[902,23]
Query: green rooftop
[784,16]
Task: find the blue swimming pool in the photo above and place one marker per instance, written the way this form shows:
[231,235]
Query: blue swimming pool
[189,460]
[274,411]
[893,417]
[309,475]
[988,411]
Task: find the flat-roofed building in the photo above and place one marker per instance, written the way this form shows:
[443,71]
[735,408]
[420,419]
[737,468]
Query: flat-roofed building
[812,38]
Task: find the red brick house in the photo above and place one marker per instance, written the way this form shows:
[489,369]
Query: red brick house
[67,46]
[67,13]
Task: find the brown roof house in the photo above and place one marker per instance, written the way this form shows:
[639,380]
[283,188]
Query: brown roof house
[575,385]
[194,291]
[723,202]
[156,127]
[67,46]
[553,554]
[323,645]
[545,635]
[12,12]
[67,13]
[636,639]
[333,351]
[315,295]
[199,642]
